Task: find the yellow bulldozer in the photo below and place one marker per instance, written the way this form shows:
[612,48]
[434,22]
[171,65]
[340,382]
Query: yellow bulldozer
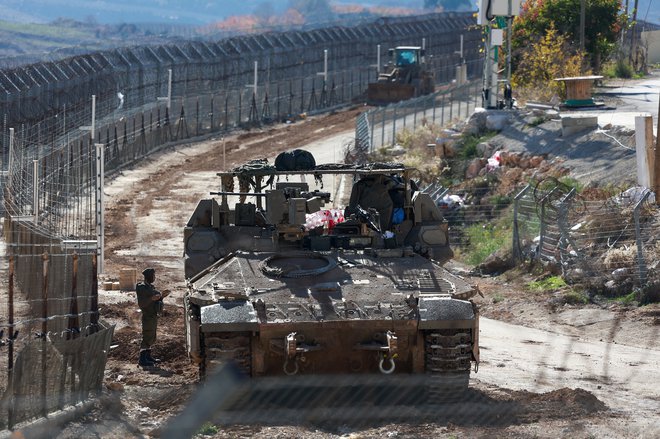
[406,76]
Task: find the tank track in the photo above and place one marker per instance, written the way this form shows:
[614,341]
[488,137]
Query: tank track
[222,347]
[447,360]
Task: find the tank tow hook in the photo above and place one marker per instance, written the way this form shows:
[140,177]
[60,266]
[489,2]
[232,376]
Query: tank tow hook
[386,346]
[295,350]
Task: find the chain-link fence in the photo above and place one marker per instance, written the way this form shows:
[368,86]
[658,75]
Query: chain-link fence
[609,243]
[55,345]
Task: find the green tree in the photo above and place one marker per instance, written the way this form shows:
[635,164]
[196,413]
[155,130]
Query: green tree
[549,57]
[603,21]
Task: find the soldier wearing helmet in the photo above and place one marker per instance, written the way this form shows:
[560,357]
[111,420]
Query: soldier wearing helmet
[150,302]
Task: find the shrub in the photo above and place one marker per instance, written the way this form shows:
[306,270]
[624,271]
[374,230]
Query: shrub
[552,57]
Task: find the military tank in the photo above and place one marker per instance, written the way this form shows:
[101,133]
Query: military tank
[282,284]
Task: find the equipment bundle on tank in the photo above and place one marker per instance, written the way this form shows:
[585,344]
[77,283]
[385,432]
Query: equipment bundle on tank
[282,286]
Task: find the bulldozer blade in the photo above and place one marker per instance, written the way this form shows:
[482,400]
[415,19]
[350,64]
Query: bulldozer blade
[383,93]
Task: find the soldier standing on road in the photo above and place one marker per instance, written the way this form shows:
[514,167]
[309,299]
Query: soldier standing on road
[150,302]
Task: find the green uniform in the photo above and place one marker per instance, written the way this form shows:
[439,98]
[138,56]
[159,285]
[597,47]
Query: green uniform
[145,291]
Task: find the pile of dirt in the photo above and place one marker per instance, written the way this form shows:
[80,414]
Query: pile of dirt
[561,403]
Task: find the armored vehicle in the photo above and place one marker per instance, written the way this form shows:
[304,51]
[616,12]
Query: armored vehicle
[282,285]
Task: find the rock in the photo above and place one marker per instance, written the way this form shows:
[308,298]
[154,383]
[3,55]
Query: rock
[445,147]
[485,149]
[115,387]
[473,168]
[497,122]
[535,161]
[397,150]
[497,263]
[620,274]
[524,163]
[512,159]
[476,124]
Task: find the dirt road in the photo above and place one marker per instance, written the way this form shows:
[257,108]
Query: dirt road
[522,358]
[597,386]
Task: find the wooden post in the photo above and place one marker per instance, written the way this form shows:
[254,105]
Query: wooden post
[44,336]
[94,316]
[644,150]
[10,347]
[74,324]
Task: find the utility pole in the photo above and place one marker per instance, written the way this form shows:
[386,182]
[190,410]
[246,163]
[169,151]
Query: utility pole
[583,10]
[633,36]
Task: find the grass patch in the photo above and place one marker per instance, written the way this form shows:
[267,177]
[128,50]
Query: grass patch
[485,240]
[501,201]
[536,121]
[497,298]
[618,69]
[550,283]
[470,142]
[628,299]
[208,429]
[573,297]
[572,183]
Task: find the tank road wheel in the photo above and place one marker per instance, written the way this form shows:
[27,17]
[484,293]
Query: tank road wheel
[222,347]
[447,359]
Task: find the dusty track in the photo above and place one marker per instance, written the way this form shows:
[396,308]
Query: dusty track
[148,207]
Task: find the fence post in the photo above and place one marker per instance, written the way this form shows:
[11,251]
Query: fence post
[10,347]
[542,219]
[44,334]
[383,111]
[434,105]
[414,116]
[240,107]
[197,117]
[100,203]
[226,112]
[562,222]
[94,305]
[442,112]
[451,106]
[393,127]
[460,102]
[641,263]
[74,324]
[211,114]
[516,251]
[371,126]
[35,194]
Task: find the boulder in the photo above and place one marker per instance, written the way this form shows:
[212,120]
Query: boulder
[476,124]
[497,263]
[497,121]
[535,161]
[485,149]
[473,168]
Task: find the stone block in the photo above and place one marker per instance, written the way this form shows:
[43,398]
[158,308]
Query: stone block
[575,123]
